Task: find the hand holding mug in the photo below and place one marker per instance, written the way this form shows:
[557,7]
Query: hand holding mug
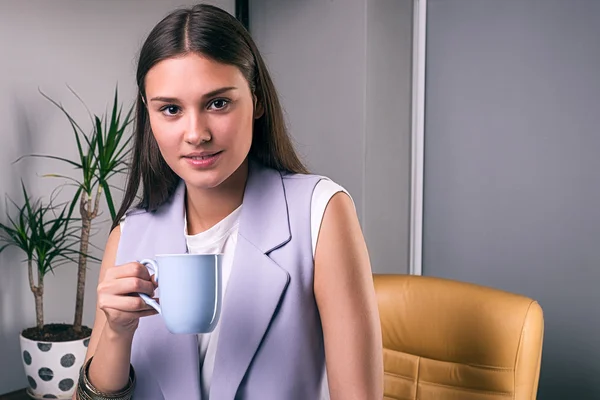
[122,309]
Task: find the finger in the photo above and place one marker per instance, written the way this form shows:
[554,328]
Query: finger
[132,269]
[127,318]
[125,286]
[153,279]
[123,303]
[147,313]
[135,314]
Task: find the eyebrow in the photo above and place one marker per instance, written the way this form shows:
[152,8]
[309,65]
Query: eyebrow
[206,95]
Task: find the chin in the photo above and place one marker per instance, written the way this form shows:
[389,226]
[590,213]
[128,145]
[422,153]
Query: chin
[210,178]
[204,180]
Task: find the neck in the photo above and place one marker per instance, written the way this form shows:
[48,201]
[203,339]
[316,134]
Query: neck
[207,207]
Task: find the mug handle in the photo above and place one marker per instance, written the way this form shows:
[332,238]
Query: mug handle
[153,267]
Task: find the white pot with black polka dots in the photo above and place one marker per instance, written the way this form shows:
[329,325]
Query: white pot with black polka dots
[52,368]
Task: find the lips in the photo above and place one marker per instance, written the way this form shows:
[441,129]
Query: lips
[202,156]
[203,160]
[197,158]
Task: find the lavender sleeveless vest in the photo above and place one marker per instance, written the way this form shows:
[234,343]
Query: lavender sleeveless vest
[270,345]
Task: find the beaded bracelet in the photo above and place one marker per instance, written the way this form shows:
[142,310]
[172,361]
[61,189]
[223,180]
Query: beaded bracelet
[87,391]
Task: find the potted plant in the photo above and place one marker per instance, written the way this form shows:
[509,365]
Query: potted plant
[47,237]
[101,154]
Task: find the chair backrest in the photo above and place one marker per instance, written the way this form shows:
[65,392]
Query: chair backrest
[451,340]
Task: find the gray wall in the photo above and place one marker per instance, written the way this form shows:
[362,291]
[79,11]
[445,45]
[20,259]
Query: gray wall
[386,212]
[512,182]
[343,70]
[90,45]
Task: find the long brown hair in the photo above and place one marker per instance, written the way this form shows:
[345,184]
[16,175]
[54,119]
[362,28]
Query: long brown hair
[214,33]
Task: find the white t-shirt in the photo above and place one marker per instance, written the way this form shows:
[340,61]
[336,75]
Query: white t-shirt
[222,238]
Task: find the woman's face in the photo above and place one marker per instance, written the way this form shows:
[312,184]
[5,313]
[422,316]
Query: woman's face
[201,114]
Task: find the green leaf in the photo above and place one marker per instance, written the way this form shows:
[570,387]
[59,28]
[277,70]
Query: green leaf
[5,246]
[77,183]
[109,200]
[73,163]
[76,128]
[100,139]
[114,120]
[75,201]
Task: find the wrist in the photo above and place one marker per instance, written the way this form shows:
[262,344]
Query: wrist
[118,336]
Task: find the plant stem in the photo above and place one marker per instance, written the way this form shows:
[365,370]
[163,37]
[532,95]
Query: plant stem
[86,222]
[30,271]
[97,202]
[87,215]
[39,301]
[39,309]
[38,293]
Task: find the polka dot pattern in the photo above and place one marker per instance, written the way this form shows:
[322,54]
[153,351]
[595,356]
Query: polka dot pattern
[32,382]
[66,384]
[44,346]
[27,357]
[52,368]
[46,374]
[68,360]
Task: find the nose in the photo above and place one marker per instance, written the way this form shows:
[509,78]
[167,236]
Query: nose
[197,131]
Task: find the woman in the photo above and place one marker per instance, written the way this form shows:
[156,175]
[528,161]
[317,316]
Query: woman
[218,173]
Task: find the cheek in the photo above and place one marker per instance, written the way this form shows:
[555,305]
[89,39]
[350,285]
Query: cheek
[235,131]
[164,133]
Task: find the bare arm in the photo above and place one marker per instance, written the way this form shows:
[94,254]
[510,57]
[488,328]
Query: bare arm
[345,295]
[117,317]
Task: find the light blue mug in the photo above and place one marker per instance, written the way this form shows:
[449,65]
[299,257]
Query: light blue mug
[189,290]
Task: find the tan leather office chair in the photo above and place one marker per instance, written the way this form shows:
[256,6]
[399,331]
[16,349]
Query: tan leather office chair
[450,340]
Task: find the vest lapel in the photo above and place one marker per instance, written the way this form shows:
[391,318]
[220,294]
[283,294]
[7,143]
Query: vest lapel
[256,284]
[173,359]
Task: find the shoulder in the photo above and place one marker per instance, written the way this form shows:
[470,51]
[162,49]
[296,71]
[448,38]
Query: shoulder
[112,244]
[130,215]
[321,188]
[301,185]
[318,182]
[292,176]
[327,188]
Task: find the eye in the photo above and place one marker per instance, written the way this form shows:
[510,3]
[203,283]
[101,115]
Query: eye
[170,110]
[218,104]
